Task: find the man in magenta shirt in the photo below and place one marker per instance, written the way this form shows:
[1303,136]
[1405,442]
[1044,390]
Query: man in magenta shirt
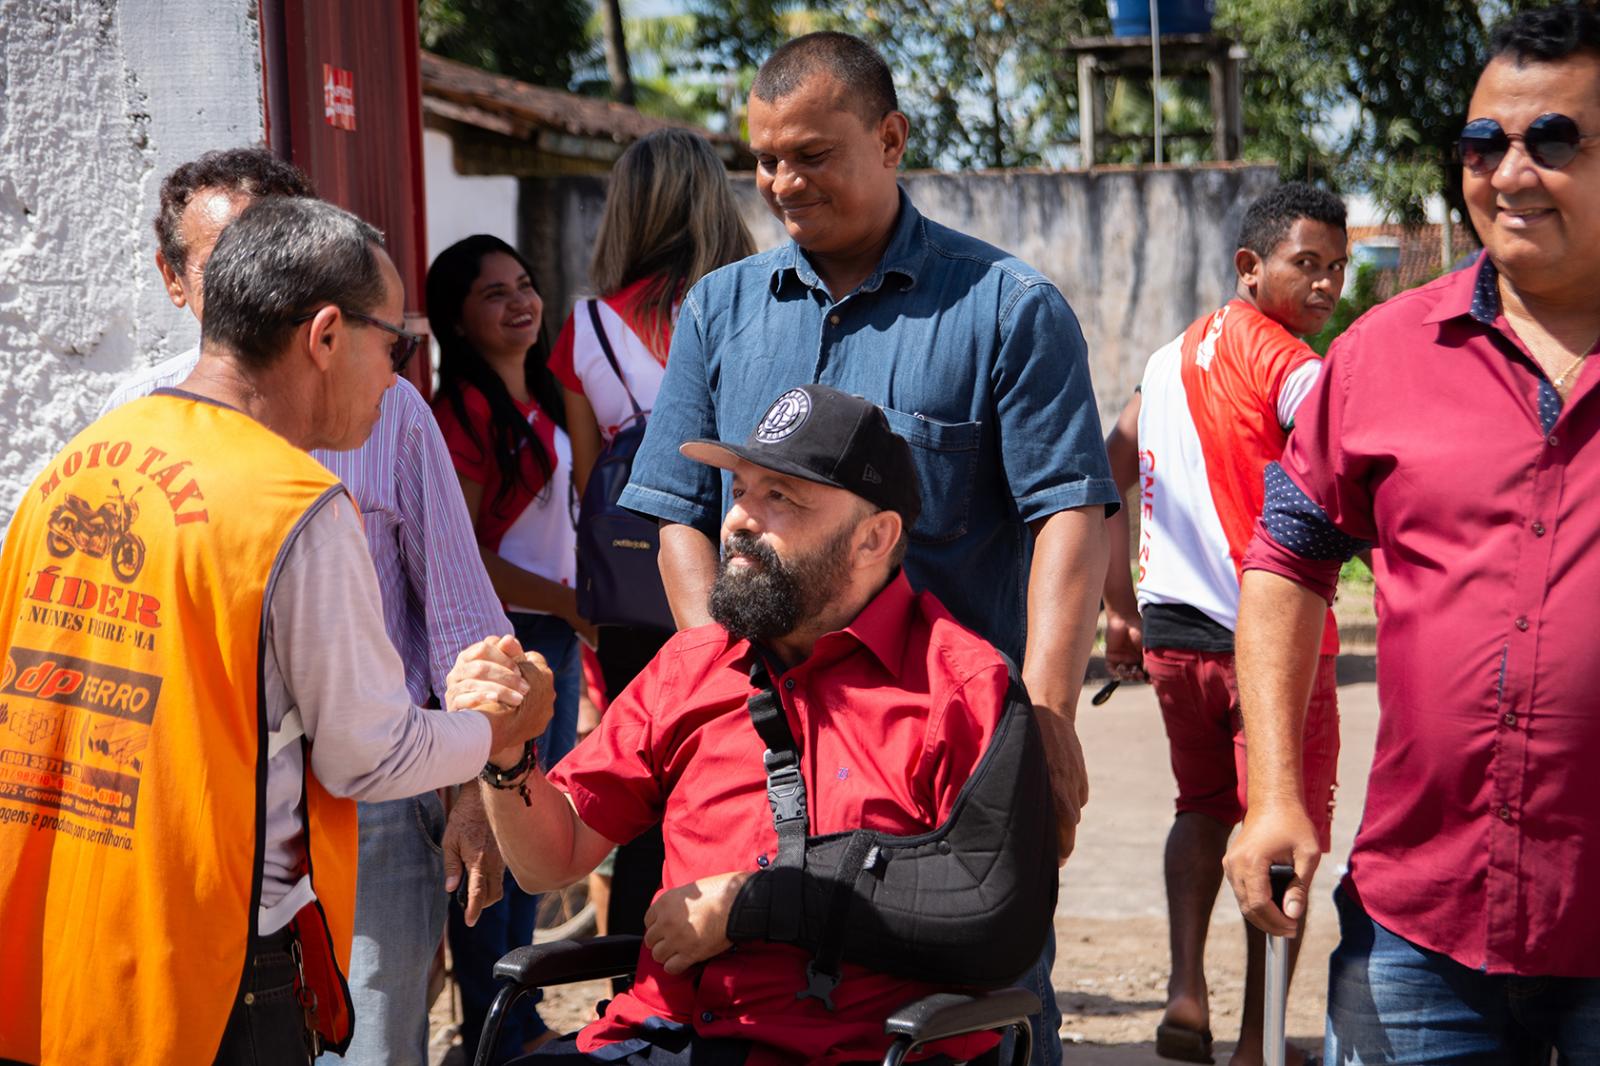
[1454,427]
[891,700]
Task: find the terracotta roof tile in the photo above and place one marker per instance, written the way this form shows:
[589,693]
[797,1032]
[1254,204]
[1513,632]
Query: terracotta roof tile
[1420,252]
[516,108]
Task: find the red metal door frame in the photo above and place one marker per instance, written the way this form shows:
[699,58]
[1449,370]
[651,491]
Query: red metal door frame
[376,170]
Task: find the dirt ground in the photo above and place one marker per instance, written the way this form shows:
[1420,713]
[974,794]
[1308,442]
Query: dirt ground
[1111,965]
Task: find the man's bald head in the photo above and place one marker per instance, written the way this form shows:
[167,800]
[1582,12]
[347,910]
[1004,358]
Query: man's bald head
[852,62]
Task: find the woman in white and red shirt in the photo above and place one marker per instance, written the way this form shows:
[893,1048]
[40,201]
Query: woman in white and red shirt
[669,219]
[500,412]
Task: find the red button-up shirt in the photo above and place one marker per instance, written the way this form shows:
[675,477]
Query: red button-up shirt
[892,714]
[1433,434]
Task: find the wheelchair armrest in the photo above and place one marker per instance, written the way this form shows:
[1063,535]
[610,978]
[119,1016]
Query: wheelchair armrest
[565,961]
[947,1014]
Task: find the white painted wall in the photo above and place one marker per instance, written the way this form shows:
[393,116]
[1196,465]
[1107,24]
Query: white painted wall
[99,99]
[459,205]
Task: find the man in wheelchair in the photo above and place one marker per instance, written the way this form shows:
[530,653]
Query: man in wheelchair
[887,705]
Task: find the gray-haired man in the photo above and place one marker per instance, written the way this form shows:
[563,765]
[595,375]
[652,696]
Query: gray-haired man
[198,681]
[436,600]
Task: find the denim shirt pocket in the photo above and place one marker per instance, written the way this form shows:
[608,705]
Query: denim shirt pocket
[946,458]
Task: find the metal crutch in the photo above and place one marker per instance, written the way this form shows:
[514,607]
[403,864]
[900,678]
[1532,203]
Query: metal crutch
[1274,1041]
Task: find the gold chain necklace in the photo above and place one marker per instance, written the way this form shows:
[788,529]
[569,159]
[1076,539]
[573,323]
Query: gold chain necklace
[1561,378]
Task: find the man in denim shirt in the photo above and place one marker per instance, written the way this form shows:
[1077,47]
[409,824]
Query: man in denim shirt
[974,356]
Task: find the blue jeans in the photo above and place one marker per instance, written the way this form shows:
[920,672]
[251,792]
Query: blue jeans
[1047,1023]
[509,924]
[1391,1001]
[400,913]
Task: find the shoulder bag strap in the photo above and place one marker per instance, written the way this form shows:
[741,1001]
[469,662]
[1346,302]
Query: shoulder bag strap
[611,356]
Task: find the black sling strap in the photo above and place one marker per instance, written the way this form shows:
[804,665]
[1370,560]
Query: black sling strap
[786,789]
[786,795]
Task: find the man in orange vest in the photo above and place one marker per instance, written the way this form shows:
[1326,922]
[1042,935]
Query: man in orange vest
[197,682]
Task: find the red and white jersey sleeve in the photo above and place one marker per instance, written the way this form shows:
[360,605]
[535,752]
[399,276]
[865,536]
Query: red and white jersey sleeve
[580,364]
[1217,404]
[533,526]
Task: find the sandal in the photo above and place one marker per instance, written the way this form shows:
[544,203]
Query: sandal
[1183,1044]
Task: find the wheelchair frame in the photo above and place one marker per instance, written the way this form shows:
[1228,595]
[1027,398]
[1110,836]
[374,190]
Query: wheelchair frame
[932,1018]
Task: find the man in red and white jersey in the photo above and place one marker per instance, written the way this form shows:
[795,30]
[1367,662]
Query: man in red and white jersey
[1215,406]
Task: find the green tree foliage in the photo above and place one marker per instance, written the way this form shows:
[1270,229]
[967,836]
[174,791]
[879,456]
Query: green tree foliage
[1362,93]
[1359,297]
[670,77]
[733,36]
[668,72]
[538,41]
[983,81]
[695,65]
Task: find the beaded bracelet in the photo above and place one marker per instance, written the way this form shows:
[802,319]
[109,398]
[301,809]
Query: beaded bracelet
[513,777]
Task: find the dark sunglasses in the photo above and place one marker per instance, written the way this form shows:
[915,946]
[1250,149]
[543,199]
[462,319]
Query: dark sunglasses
[400,353]
[1552,141]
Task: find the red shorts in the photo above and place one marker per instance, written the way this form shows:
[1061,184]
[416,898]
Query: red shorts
[1200,705]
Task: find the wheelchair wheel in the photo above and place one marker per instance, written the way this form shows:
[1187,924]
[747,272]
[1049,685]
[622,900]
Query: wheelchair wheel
[565,915]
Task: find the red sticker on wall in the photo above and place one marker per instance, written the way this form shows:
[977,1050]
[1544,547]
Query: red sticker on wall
[338,97]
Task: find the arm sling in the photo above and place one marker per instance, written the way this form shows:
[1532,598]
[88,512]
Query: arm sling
[969,902]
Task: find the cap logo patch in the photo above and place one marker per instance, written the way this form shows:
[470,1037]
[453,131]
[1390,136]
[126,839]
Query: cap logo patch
[787,414]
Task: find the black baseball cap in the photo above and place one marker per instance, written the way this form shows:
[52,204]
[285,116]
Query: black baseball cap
[821,434]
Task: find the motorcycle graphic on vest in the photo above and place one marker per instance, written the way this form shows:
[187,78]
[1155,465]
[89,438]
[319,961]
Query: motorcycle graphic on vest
[104,533]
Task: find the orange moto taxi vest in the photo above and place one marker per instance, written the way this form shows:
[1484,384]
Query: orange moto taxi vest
[134,590]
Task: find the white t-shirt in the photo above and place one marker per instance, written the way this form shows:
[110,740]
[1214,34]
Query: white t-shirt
[580,363]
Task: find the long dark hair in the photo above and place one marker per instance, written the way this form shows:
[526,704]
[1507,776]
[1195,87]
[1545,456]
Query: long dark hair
[461,365]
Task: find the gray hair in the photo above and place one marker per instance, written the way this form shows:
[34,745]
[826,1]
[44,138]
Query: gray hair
[281,258]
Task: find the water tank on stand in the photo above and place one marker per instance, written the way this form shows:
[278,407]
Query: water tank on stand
[1131,18]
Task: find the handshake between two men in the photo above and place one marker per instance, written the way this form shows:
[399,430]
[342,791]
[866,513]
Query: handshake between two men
[513,689]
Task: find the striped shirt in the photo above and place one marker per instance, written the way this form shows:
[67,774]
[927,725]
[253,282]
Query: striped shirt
[436,596]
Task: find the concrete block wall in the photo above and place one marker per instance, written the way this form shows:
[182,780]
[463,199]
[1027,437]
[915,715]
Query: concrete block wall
[99,99]
[1138,252]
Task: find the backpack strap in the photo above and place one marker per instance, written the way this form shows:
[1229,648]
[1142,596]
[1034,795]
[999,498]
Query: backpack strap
[611,356]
